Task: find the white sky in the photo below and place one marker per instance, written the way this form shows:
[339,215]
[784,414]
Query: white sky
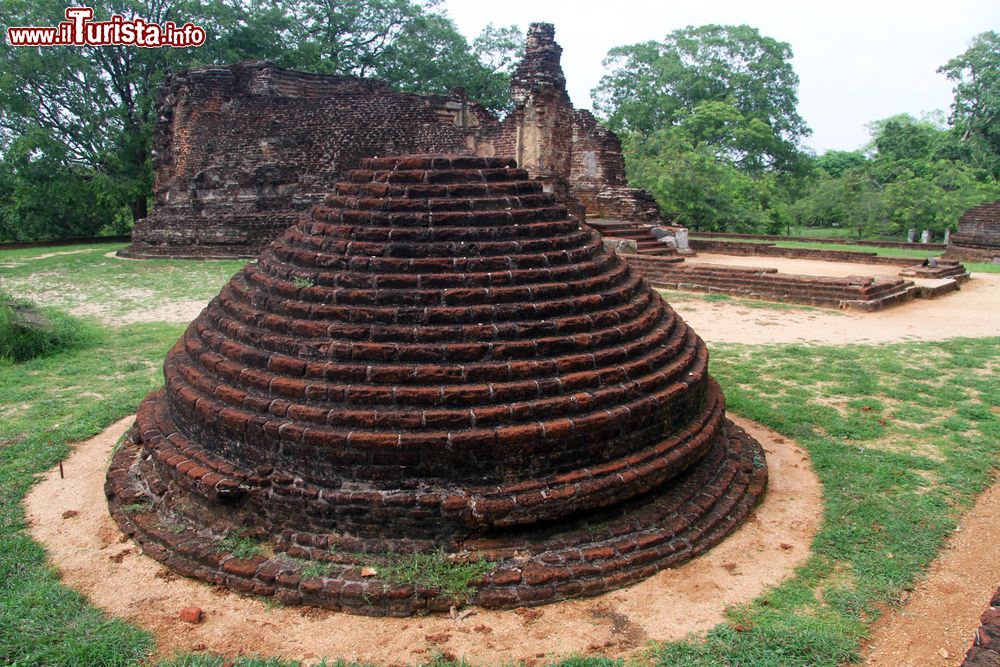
[857,61]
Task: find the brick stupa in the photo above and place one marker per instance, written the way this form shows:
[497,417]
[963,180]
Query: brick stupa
[438,361]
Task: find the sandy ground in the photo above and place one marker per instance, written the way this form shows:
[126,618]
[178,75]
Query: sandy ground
[954,315]
[179,311]
[938,622]
[973,311]
[964,313]
[808,267]
[95,558]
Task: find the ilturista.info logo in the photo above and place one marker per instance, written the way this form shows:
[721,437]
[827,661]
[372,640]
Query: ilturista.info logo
[80,29]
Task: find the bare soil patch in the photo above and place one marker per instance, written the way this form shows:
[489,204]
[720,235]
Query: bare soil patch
[95,558]
[955,315]
[173,311]
[938,622]
[806,267]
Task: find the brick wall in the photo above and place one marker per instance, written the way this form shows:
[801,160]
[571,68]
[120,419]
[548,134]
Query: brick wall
[978,232]
[242,151]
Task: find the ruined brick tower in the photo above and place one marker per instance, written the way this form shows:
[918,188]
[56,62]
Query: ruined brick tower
[439,360]
[566,148]
[241,152]
[543,114]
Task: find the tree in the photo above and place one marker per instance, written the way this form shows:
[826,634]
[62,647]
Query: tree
[698,190]
[95,103]
[431,57]
[914,179]
[87,113]
[409,43]
[656,85]
[975,112]
[711,125]
[835,163]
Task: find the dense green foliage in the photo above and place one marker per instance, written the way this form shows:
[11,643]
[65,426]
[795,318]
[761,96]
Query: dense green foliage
[975,113]
[76,123]
[916,174]
[711,125]
[711,128]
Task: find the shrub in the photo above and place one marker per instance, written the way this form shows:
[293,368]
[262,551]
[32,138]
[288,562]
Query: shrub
[27,332]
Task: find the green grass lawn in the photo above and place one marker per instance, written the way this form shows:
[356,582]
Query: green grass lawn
[83,279]
[902,437]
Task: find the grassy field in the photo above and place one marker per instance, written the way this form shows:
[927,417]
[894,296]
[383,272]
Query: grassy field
[902,436]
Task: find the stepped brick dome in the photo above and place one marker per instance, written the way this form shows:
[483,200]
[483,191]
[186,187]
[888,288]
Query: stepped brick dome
[438,369]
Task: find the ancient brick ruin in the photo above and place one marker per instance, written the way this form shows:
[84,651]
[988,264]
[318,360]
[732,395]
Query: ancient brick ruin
[242,151]
[437,360]
[864,293]
[978,236]
[985,650]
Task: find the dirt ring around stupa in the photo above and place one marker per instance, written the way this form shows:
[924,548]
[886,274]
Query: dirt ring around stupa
[69,516]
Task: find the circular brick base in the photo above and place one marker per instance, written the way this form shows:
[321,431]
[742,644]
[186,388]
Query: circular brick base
[577,556]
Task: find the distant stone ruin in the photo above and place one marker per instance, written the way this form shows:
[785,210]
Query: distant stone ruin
[241,152]
[978,236]
[438,362]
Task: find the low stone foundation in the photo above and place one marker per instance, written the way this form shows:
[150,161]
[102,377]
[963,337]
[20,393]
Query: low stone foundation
[809,239]
[855,292]
[746,249]
[939,269]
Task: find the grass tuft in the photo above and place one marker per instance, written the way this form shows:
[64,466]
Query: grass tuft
[434,570]
[27,332]
[240,545]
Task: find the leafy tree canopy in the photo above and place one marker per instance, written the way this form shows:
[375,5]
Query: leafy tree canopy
[975,112]
[747,77]
[835,163]
[86,114]
[914,179]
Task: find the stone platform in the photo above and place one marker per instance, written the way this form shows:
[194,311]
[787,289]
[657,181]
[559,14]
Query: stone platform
[747,248]
[856,292]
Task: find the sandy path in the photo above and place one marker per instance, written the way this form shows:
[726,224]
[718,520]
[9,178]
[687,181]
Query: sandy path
[95,558]
[974,311]
[808,267]
[938,622]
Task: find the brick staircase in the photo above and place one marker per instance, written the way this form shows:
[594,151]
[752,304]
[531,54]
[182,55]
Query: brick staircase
[946,268]
[639,232]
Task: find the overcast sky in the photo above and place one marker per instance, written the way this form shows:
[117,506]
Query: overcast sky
[856,61]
